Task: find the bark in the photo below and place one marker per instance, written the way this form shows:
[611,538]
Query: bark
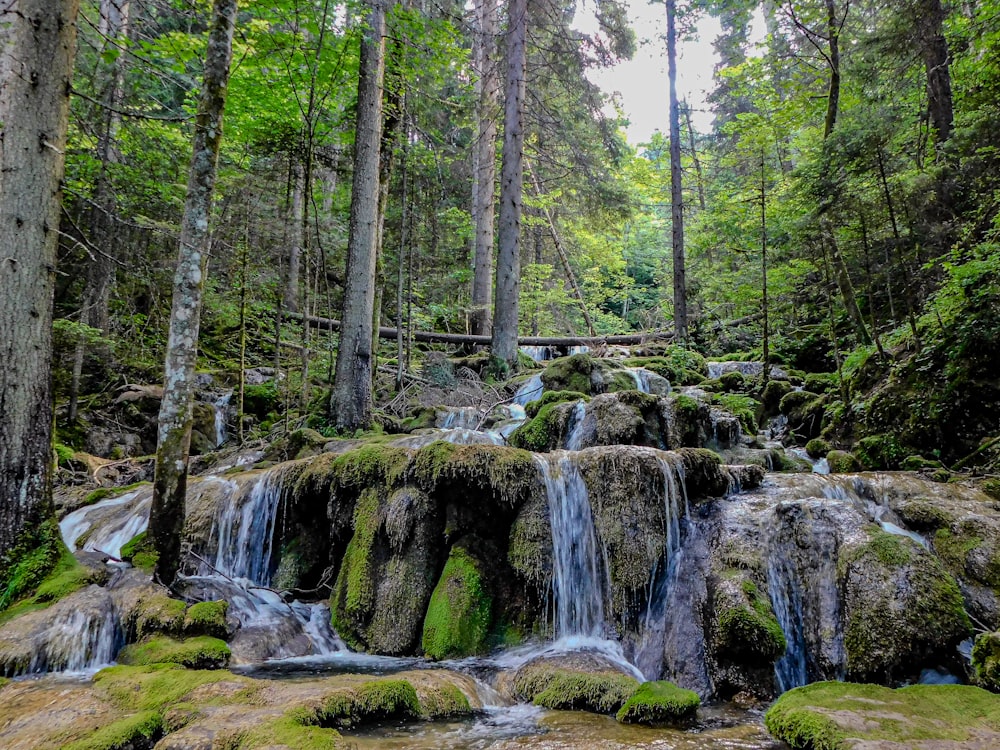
[350,400]
[833,94]
[934,48]
[484,164]
[297,241]
[676,191]
[693,145]
[508,274]
[166,518]
[37,44]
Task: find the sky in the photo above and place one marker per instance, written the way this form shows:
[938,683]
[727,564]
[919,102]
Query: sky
[642,81]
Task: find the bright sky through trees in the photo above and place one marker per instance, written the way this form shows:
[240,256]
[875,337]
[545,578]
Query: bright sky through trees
[642,81]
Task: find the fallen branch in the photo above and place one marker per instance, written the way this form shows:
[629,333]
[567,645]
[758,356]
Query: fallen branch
[431,337]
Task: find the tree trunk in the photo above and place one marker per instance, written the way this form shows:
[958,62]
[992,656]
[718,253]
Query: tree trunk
[508,276]
[833,93]
[166,517]
[350,401]
[296,224]
[934,48]
[484,164]
[676,191]
[37,41]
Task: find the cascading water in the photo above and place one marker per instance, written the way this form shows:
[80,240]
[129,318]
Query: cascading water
[574,428]
[577,581]
[786,600]
[221,406]
[106,526]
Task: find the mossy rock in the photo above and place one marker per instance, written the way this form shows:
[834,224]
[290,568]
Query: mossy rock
[991,487]
[573,373]
[545,431]
[139,551]
[879,452]
[153,687]
[207,618]
[919,463]
[552,684]
[553,397]
[747,630]
[155,612]
[376,700]
[692,423]
[805,413]
[459,613]
[703,473]
[139,730]
[820,382]
[658,704]
[29,561]
[742,407]
[774,391]
[842,462]
[200,652]
[902,609]
[817,448]
[986,661]
[733,381]
[840,715]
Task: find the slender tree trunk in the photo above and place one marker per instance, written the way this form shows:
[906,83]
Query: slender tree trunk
[484,164]
[350,401]
[766,338]
[166,518]
[37,44]
[693,145]
[113,28]
[934,48]
[508,276]
[833,93]
[296,240]
[676,190]
[404,243]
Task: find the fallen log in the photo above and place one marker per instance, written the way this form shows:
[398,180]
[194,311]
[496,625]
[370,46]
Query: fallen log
[432,337]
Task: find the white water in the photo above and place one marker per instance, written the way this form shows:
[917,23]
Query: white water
[531,390]
[111,528]
[577,583]
[245,530]
[221,406]
[574,429]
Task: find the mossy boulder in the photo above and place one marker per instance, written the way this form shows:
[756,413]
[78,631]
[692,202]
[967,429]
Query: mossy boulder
[546,431]
[732,381]
[579,682]
[690,421]
[820,382]
[139,730]
[139,551]
[375,700]
[580,373]
[200,652]
[839,716]
[805,412]
[842,462]
[703,473]
[879,452]
[675,363]
[744,408]
[773,392]
[986,661]
[387,573]
[817,448]
[459,612]
[207,618]
[553,397]
[902,610]
[658,704]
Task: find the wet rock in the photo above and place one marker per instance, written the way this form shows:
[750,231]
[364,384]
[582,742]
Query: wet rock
[578,681]
[658,704]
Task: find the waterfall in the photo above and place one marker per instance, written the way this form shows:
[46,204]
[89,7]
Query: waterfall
[245,529]
[786,601]
[109,524]
[574,429]
[221,406]
[577,582]
[530,390]
[80,641]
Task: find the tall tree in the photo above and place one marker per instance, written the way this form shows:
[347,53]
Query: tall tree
[508,276]
[351,398]
[929,17]
[166,517]
[484,163]
[676,189]
[37,45]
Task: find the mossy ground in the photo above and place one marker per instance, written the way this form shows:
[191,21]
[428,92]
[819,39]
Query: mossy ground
[64,576]
[140,552]
[28,563]
[986,661]
[136,730]
[835,715]
[658,703]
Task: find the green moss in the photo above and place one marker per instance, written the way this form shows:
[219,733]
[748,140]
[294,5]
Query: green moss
[742,407]
[371,701]
[543,432]
[30,561]
[751,633]
[442,701]
[658,703]
[553,397]
[836,715]
[986,661]
[570,374]
[552,687]
[991,487]
[458,616]
[817,448]
[732,381]
[879,452]
[890,549]
[200,652]
[207,618]
[105,492]
[774,391]
[820,382]
[153,687]
[842,462]
[260,400]
[354,590]
[158,613]
[954,548]
[138,730]
[296,729]
[371,465]
[65,577]
[139,551]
